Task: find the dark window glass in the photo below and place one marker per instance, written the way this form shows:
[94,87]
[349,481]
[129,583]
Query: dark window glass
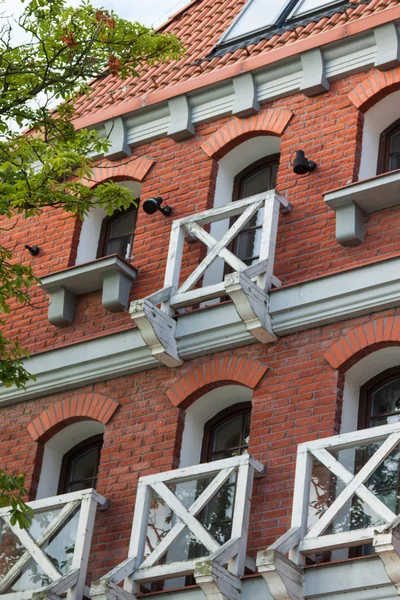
[226,435]
[256,179]
[389,149]
[80,466]
[116,235]
[379,405]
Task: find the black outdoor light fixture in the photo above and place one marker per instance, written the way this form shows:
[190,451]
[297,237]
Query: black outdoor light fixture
[34,250]
[301,164]
[152,205]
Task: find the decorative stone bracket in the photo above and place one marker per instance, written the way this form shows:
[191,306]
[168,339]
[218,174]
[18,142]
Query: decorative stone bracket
[285,579]
[387,546]
[353,202]
[111,274]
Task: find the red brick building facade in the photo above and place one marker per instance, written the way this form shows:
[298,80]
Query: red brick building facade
[328,84]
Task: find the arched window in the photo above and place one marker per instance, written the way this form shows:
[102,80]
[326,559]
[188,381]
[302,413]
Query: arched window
[379,405]
[116,236]
[380,400]
[80,466]
[389,149]
[225,435]
[255,179]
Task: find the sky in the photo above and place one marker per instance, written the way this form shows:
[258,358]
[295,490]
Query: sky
[148,12]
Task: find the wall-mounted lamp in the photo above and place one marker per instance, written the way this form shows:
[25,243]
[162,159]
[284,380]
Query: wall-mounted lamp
[152,205]
[34,250]
[301,164]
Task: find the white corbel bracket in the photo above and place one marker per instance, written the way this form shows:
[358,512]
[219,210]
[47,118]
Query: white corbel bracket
[157,328]
[285,580]
[216,581]
[116,134]
[107,587]
[387,46]
[58,587]
[387,546]
[314,79]
[181,126]
[246,102]
[251,303]
[104,589]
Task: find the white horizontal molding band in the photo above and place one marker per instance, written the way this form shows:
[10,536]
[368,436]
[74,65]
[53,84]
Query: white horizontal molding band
[312,304]
[309,72]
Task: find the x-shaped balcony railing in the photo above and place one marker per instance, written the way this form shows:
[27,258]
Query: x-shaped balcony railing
[247,286]
[340,486]
[171,504]
[50,558]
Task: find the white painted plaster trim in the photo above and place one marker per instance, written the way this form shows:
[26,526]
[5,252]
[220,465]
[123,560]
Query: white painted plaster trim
[283,78]
[312,304]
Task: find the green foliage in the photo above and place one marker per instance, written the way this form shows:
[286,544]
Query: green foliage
[49,165]
[11,492]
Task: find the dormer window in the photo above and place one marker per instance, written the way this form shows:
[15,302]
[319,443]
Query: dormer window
[116,234]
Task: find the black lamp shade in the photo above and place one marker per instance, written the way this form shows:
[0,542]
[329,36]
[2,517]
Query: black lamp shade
[301,164]
[152,205]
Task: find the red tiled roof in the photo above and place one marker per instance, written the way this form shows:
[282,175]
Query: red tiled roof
[200,26]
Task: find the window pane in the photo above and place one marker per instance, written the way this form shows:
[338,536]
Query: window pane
[119,246]
[394,151]
[84,466]
[394,162]
[123,225]
[257,14]
[310,5]
[228,435]
[386,399]
[261,181]
[395,142]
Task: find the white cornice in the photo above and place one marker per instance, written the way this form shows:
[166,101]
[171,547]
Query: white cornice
[309,72]
[312,304]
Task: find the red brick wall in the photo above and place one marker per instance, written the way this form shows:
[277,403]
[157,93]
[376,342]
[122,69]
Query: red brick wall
[298,399]
[328,127]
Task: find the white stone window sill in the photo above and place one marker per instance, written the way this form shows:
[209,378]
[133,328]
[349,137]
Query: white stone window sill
[110,274]
[352,202]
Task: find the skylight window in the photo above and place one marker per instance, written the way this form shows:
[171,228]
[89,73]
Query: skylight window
[257,14]
[306,6]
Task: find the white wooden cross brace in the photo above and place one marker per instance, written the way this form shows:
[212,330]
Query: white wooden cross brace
[218,247]
[195,508]
[380,509]
[186,517]
[50,530]
[377,458]
[36,553]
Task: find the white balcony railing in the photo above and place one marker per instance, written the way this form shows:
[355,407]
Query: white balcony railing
[346,495]
[247,286]
[191,521]
[50,558]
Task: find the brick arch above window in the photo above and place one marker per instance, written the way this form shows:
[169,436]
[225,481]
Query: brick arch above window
[135,168]
[76,407]
[212,374]
[267,122]
[374,88]
[363,340]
